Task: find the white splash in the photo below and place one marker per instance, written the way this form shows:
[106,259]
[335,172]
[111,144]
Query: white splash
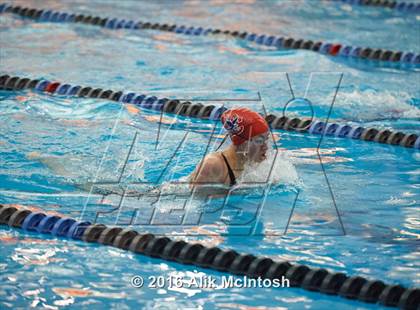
[371,105]
[276,169]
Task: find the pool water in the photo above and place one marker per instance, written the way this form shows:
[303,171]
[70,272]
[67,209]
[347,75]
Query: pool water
[53,148]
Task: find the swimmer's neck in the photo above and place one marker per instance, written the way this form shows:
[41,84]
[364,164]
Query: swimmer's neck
[236,159]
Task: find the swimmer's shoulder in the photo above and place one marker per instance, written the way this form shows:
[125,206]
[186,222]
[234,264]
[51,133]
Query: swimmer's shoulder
[215,161]
[212,166]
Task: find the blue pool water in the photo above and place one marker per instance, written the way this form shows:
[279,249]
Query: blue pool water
[52,147]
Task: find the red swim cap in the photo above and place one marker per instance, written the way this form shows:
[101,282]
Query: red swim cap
[243,124]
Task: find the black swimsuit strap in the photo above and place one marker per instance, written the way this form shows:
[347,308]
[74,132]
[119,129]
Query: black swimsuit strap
[230,171]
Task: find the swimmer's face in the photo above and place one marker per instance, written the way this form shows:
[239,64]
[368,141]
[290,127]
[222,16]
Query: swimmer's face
[257,147]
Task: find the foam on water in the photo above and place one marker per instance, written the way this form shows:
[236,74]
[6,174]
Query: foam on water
[371,105]
[276,169]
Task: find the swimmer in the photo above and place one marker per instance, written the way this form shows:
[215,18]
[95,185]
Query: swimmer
[249,134]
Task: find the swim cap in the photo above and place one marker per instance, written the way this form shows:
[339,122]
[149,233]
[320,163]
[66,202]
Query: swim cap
[243,124]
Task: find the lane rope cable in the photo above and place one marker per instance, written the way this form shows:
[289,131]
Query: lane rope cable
[212,112]
[404,59]
[406,7]
[224,260]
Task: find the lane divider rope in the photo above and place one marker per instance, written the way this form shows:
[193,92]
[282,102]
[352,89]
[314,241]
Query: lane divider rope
[405,59]
[212,112]
[409,7]
[225,260]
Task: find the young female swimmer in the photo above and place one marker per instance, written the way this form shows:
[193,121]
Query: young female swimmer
[249,133]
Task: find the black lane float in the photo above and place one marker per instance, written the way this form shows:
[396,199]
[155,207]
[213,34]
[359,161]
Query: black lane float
[407,7]
[224,260]
[403,59]
[212,112]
